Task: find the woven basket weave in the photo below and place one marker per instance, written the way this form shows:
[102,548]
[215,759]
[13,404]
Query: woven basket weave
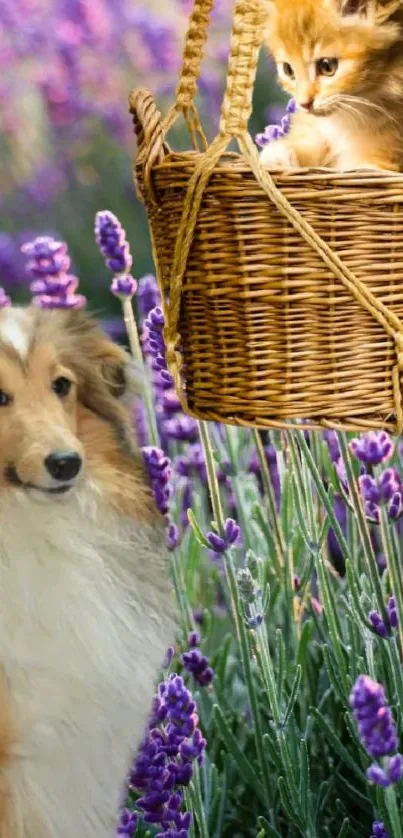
[283,292]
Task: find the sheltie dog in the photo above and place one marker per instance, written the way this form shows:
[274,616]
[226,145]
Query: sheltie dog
[86,609]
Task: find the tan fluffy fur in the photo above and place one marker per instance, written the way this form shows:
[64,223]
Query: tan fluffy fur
[356,116]
[86,607]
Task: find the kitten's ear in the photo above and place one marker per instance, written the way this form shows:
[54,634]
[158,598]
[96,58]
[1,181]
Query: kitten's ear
[384,9]
[269,10]
[378,10]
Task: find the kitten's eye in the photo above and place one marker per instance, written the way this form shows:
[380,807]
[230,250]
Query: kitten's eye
[61,386]
[5,399]
[327,66]
[288,71]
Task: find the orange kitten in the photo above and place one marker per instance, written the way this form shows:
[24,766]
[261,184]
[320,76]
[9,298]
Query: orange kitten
[342,60]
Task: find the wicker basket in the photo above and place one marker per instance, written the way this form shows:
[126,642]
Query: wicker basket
[283,292]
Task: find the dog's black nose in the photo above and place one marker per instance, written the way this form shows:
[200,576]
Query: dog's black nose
[63,465]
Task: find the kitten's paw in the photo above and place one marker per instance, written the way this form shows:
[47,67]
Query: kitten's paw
[278,155]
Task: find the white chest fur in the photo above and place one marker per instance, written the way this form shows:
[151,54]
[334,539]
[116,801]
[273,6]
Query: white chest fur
[346,147]
[85,618]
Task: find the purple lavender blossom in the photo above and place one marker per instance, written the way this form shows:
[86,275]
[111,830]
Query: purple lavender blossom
[148,295]
[378,830]
[369,489]
[172,536]
[373,716]
[376,775]
[47,257]
[276,132]
[390,774]
[230,538]
[372,448]
[332,444]
[390,483]
[164,764]
[123,286]
[127,824]
[387,489]
[395,768]
[340,511]
[341,473]
[182,428]
[378,624]
[48,264]
[159,470]
[154,345]
[392,612]
[196,663]
[172,424]
[395,506]
[153,338]
[170,653]
[255,621]
[111,240]
[169,404]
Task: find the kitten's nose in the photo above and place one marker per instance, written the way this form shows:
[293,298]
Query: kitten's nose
[307,106]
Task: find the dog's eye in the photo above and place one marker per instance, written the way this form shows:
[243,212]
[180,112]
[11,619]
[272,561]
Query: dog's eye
[61,386]
[5,399]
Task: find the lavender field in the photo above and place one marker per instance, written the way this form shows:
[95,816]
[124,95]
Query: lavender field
[279,713]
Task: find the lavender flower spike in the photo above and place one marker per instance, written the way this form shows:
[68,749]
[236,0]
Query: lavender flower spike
[230,538]
[276,132]
[378,830]
[52,285]
[373,716]
[127,824]
[372,448]
[111,240]
[148,294]
[392,612]
[123,286]
[159,470]
[164,764]
[376,775]
[196,663]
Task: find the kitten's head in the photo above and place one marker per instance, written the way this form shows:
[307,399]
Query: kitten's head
[329,49]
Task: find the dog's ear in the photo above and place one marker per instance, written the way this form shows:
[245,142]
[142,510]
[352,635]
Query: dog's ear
[98,362]
[115,368]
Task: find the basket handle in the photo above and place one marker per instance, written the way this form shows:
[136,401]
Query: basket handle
[249,23]
[186,90]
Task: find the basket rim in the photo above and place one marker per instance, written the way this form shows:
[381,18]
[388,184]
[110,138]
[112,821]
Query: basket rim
[231,160]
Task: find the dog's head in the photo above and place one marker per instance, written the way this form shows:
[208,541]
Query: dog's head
[62,398]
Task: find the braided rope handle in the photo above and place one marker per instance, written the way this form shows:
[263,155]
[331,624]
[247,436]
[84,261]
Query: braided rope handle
[193,53]
[186,90]
[249,24]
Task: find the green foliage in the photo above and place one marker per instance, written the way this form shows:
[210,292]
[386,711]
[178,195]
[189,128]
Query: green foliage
[284,755]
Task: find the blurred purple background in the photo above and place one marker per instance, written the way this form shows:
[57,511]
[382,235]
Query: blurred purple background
[67,67]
